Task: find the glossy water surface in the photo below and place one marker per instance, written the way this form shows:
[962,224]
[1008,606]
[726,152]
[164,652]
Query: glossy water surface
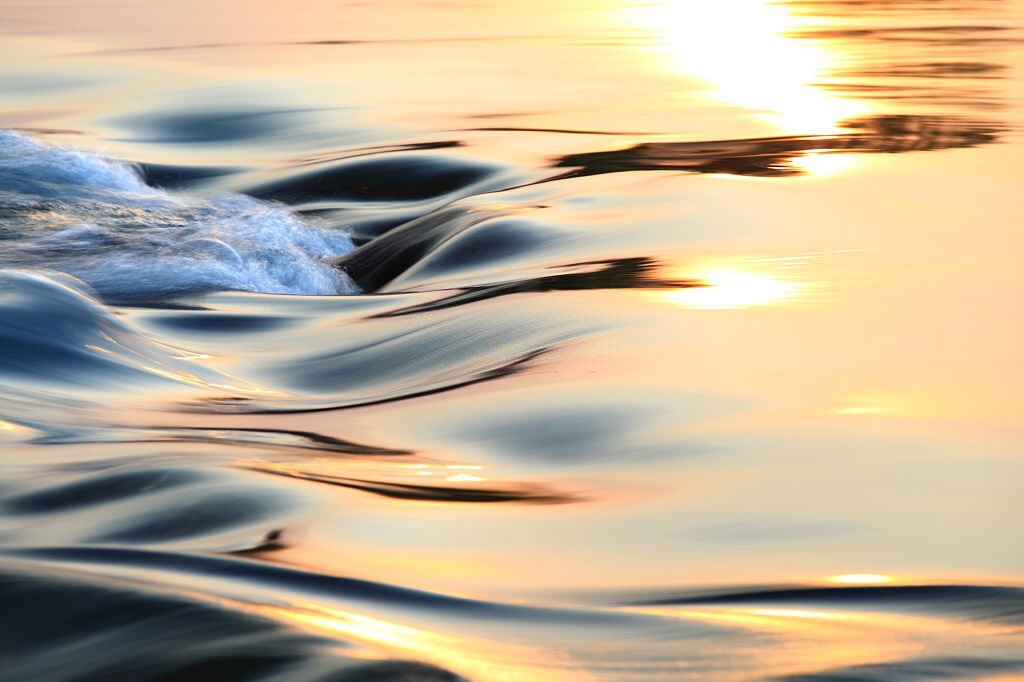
[573,340]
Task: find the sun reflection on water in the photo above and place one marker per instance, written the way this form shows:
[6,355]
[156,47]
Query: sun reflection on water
[860,579]
[731,288]
[481,659]
[746,53]
[823,163]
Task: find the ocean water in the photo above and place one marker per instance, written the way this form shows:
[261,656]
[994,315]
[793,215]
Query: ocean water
[579,340]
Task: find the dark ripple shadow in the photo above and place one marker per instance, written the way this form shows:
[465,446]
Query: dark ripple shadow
[192,127]
[60,626]
[412,356]
[521,494]
[991,603]
[943,69]
[280,439]
[394,178]
[169,176]
[775,156]
[434,386]
[193,514]
[249,576]
[101,490]
[844,7]
[214,323]
[446,248]
[621,273]
[943,35]
[934,668]
[120,503]
[383,259]
[271,542]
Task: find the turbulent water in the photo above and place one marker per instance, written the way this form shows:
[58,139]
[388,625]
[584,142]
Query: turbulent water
[602,340]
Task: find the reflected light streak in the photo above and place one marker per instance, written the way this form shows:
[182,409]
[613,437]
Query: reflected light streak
[823,163]
[799,613]
[758,65]
[871,405]
[860,579]
[808,640]
[730,288]
[861,410]
[447,470]
[441,649]
[365,629]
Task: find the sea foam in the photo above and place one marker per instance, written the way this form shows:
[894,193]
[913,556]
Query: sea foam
[96,219]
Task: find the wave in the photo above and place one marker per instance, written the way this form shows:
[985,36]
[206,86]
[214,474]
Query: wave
[60,346]
[141,634]
[96,219]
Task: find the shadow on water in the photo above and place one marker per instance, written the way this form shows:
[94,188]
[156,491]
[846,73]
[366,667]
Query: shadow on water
[522,494]
[622,273]
[776,156]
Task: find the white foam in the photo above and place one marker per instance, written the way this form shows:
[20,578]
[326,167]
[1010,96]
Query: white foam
[69,211]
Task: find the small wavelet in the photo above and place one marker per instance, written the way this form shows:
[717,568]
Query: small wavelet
[96,219]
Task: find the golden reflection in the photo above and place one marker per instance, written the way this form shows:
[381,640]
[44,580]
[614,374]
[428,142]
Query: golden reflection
[363,628]
[871,405]
[745,52]
[861,410]
[823,163]
[807,641]
[480,659]
[465,478]
[446,471]
[860,579]
[729,288]
[799,613]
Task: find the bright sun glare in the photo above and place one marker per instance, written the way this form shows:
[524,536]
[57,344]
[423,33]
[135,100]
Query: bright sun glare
[860,579]
[744,50]
[729,288]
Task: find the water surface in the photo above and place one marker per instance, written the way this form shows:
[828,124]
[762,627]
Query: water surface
[586,340]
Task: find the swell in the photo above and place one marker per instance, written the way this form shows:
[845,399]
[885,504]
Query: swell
[227,615]
[145,634]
